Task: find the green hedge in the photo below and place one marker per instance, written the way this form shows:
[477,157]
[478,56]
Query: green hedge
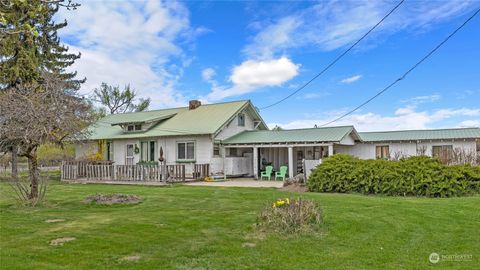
[413,176]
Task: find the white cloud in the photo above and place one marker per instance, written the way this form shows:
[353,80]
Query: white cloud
[208,74]
[351,79]
[470,123]
[403,118]
[422,99]
[264,73]
[274,37]
[252,75]
[131,42]
[334,24]
[313,95]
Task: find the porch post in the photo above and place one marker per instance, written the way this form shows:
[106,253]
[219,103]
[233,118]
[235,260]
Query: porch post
[224,154]
[330,150]
[290,162]
[255,162]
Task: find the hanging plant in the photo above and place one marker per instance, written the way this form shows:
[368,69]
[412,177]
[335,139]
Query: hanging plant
[137,150]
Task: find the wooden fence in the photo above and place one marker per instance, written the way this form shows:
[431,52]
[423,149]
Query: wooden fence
[107,171]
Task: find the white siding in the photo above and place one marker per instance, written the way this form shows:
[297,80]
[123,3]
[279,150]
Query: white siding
[120,151]
[203,149]
[360,150]
[233,128]
[348,140]
[404,149]
[216,165]
[467,146]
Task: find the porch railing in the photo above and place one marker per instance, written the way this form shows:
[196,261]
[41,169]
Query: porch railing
[107,171]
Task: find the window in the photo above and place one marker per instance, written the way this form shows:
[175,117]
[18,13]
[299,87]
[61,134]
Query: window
[444,152]
[136,127]
[241,120]
[148,151]
[382,152]
[129,155]
[232,152]
[216,149]
[109,151]
[186,151]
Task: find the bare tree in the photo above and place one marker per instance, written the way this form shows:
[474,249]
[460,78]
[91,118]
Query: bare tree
[36,113]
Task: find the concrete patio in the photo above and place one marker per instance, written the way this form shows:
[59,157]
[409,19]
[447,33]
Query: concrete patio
[240,182]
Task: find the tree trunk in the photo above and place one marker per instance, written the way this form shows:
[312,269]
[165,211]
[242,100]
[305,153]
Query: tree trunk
[34,173]
[14,162]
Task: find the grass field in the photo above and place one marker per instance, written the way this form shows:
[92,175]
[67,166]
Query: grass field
[183,227]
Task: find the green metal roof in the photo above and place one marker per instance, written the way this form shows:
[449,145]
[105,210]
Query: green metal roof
[418,135]
[327,134]
[145,118]
[206,119]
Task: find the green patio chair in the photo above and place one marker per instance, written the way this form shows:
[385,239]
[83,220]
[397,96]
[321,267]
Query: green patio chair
[267,173]
[282,173]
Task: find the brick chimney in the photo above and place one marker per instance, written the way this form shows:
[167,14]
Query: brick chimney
[193,104]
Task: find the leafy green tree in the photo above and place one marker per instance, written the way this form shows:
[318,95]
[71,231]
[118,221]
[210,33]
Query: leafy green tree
[119,101]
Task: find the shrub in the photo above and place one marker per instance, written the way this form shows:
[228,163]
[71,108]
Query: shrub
[413,176]
[290,216]
[52,154]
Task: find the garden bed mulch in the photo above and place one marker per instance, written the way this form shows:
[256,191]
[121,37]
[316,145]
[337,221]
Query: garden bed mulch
[113,199]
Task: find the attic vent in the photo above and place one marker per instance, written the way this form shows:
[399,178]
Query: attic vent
[193,104]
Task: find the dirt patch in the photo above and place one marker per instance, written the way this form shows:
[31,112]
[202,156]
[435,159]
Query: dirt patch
[131,258]
[61,241]
[248,245]
[113,199]
[295,188]
[54,220]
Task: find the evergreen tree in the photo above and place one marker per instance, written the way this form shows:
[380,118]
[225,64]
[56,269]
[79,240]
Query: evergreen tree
[34,81]
[30,45]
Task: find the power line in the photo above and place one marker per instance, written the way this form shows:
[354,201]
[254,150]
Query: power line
[334,61]
[406,73]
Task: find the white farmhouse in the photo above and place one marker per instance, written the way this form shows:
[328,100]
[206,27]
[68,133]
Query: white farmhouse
[235,141]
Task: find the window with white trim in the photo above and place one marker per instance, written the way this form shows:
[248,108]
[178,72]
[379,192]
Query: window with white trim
[216,149]
[442,151]
[382,152]
[185,151]
[134,127]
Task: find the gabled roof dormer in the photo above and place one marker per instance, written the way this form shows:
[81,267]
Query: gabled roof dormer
[130,126]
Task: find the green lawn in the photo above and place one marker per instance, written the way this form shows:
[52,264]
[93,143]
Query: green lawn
[212,228]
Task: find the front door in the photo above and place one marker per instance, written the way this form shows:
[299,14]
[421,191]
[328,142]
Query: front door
[129,154]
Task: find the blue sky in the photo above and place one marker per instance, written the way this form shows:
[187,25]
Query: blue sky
[221,51]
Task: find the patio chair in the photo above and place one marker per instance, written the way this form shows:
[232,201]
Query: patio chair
[267,173]
[282,173]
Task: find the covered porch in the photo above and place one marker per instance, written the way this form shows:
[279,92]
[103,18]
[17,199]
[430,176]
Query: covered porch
[277,155]
[292,148]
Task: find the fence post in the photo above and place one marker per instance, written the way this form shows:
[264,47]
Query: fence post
[62,171]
